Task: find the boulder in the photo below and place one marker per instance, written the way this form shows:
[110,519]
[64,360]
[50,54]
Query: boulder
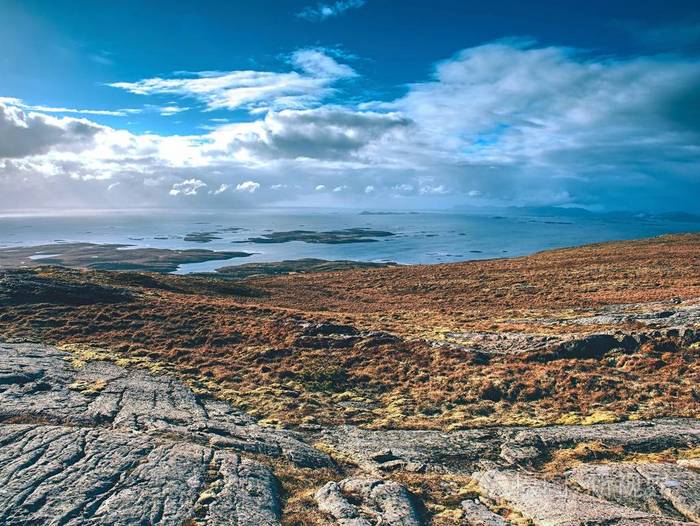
[365,501]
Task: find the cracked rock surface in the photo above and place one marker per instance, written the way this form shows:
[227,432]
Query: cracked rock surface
[38,383]
[80,475]
[106,445]
[463,451]
[653,487]
[545,503]
[101,444]
[367,501]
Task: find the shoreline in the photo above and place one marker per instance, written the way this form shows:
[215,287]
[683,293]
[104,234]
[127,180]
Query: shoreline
[111,256]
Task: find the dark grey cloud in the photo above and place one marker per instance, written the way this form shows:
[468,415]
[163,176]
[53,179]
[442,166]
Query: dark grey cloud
[326,133]
[28,133]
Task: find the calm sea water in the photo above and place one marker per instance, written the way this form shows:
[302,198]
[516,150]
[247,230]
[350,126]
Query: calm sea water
[427,237]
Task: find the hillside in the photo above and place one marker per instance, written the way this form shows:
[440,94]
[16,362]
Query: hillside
[357,362]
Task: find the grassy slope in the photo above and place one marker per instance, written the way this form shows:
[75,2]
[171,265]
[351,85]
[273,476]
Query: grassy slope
[248,343]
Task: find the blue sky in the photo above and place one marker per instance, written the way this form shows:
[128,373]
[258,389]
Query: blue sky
[350,103]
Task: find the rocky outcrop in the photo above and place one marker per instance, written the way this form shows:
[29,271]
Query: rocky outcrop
[463,451]
[367,501]
[652,487]
[476,514]
[38,383]
[81,475]
[546,503]
[96,443]
[531,446]
[101,444]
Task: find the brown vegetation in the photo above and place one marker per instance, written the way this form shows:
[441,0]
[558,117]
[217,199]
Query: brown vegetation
[382,347]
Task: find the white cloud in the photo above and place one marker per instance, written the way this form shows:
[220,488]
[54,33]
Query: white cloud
[222,188]
[168,110]
[503,123]
[58,109]
[321,11]
[248,186]
[515,120]
[432,190]
[253,90]
[188,187]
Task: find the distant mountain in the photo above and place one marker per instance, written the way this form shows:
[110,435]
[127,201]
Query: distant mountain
[559,211]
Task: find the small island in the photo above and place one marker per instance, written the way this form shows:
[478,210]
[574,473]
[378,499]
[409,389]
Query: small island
[331,237]
[97,256]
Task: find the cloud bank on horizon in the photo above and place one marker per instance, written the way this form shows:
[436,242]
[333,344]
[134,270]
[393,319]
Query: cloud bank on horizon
[508,122]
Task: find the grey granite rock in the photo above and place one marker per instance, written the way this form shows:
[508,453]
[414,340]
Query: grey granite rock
[79,475]
[106,445]
[464,451]
[529,446]
[38,383]
[545,503]
[476,514]
[364,501]
[653,487]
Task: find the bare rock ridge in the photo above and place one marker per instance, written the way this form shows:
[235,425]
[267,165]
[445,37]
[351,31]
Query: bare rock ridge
[95,443]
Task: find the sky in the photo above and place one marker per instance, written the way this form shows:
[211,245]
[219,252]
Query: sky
[350,103]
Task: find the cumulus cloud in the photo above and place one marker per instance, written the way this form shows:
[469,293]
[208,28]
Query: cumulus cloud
[321,11]
[248,186]
[307,84]
[329,133]
[514,119]
[188,187]
[29,133]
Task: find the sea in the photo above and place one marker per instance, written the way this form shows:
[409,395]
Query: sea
[420,236]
